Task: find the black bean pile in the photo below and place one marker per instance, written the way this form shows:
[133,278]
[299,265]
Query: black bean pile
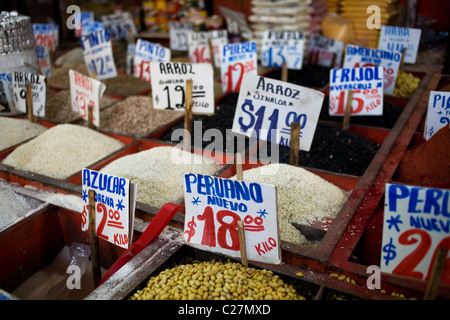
[334,149]
[391,112]
[308,76]
[221,120]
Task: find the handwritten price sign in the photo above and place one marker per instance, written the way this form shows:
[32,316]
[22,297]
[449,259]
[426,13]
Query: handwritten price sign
[397,38]
[322,50]
[85,92]
[199,47]
[38,92]
[145,53]
[367,86]
[438,113]
[237,59]
[115,199]
[416,223]
[279,47]
[178,33]
[359,57]
[267,107]
[97,51]
[215,205]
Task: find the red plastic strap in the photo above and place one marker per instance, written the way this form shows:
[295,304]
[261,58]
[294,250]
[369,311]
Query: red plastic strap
[152,232]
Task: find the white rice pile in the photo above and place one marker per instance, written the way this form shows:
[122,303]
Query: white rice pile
[302,197]
[14,131]
[158,172]
[62,151]
[13,205]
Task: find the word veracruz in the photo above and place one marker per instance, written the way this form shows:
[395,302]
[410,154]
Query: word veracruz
[416,224]
[267,107]
[366,85]
[215,205]
[114,208]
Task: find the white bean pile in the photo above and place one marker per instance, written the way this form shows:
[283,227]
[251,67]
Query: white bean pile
[62,151]
[158,172]
[302,197]
[14,131]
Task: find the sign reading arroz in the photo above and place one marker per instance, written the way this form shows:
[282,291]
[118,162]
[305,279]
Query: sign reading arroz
[214,206]
[438,113]
[38,92]
[367,86]
[115,202]
[97,50]
[359,57]
[279,47]
[416,223]
[397,38]
[146,52]
[267,107]
[169,83]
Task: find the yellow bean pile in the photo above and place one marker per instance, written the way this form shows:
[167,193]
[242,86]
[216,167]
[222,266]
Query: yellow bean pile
[216,280]
[406,84]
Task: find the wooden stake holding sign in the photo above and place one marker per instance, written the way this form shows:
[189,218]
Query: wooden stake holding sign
[284,72]
[95,249]
[188,117]
[294,144]
[29,93]
[348,111]
[240,224]
[438,268]
[91,109]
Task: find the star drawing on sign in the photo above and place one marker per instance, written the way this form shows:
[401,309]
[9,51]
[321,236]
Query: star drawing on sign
[120,206]
[393,222]
[196,201]
[84,196]
[262,213]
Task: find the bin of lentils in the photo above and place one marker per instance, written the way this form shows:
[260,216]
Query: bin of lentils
[333,149]
[222,120]
[310,76]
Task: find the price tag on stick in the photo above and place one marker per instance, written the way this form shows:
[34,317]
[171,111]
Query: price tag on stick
[215,205]
[145,53]
[37,93]
[267,107]
[438,113]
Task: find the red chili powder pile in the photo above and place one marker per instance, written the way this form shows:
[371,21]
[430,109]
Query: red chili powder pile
[429,163]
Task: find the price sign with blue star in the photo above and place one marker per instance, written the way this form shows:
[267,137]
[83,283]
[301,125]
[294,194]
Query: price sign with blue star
[115,202]
[215,205]
[416,224]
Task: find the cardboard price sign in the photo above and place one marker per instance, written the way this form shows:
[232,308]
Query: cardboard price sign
[84,92]
[438,113]
[416,223]
[367,86]
[279,47]
[115,201]
[215,205]
[169,82]
[199,46]
[397,38]
[359,57]
[38,89]
[146,52]
[81,19]
[323,51]
[267,107]
[237,59]
[98,56]
[178,33]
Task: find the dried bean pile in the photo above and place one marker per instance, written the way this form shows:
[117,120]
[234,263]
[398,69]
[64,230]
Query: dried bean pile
[221,120]
[336,150]
[60,76]
[216,280]
[125,85]
[308,76]
[391,112]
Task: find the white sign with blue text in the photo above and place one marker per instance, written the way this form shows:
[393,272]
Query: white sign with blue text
[416,223]
[115,201]
[359,57]
[324,51]
[438,113]
[397,38]
[266,108]
[366,85]
[98,55]
[279,47]
[38,92]
[215,205]
[146,52]
[178,35]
